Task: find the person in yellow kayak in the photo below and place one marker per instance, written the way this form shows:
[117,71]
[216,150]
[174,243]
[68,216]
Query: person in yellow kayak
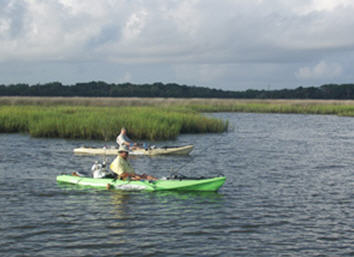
[123,139]
[122,167]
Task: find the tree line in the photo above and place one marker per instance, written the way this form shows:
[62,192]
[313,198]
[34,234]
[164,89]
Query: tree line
[103,89]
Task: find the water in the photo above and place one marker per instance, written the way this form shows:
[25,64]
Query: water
[289,192]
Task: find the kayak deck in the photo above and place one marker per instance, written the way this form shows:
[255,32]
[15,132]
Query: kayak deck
[178,150]
[208,184]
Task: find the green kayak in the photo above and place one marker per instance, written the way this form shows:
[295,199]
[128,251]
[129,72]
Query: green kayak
[207,184]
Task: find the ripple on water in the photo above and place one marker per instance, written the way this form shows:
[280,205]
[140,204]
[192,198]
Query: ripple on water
[289,192]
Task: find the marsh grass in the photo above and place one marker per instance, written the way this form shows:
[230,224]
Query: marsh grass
[296,108]
[79,122]
[145,118]
[337,107]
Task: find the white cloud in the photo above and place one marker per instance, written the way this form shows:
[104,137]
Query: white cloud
[324,6]
[166,31]
[210,36]
[134,25]
[320,71]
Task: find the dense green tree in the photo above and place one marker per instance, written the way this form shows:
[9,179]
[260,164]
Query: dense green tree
[103,89]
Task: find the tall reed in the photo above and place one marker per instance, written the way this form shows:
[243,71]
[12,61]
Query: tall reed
[297,108]
[150,123]
[145,118]
[338,107]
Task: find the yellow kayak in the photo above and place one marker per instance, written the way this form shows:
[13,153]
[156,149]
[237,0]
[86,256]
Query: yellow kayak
[168,150]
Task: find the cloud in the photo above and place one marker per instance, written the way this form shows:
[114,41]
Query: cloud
[134,25]
[322,70]
[324,6]
[160,31]
[194,41]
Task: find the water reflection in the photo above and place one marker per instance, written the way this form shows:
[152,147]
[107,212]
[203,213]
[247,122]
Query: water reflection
[164,196]
[120,204]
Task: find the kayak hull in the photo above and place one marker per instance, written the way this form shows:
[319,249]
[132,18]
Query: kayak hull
[209,184]
[180,150]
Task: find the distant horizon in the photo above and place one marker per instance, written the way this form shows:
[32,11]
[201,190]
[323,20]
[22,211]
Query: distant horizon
[267,87]
[170,83]
[159,89]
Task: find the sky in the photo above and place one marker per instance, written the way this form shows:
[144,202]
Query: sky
[225,44]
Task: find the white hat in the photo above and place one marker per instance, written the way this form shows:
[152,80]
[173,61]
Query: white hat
[123,148]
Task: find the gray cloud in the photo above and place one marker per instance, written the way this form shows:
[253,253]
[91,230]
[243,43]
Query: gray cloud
[223,44]
[321,70]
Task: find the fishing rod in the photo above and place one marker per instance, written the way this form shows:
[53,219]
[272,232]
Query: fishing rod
[174,171]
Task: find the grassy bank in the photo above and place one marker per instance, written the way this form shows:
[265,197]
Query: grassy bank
[290,107]
[145,118]
[336,107]
[90,122]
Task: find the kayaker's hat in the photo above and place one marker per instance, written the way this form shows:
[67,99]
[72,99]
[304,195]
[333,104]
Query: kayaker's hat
[123,148]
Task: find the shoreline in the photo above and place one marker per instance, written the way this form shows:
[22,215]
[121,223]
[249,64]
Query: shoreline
[149,101]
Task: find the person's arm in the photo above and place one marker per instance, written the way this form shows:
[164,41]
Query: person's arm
[124,140]
[124,176]
[128,141]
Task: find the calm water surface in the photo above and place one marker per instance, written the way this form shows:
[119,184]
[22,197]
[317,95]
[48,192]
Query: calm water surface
[289,192]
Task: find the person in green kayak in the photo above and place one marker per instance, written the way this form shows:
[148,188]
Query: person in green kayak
[122,167]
